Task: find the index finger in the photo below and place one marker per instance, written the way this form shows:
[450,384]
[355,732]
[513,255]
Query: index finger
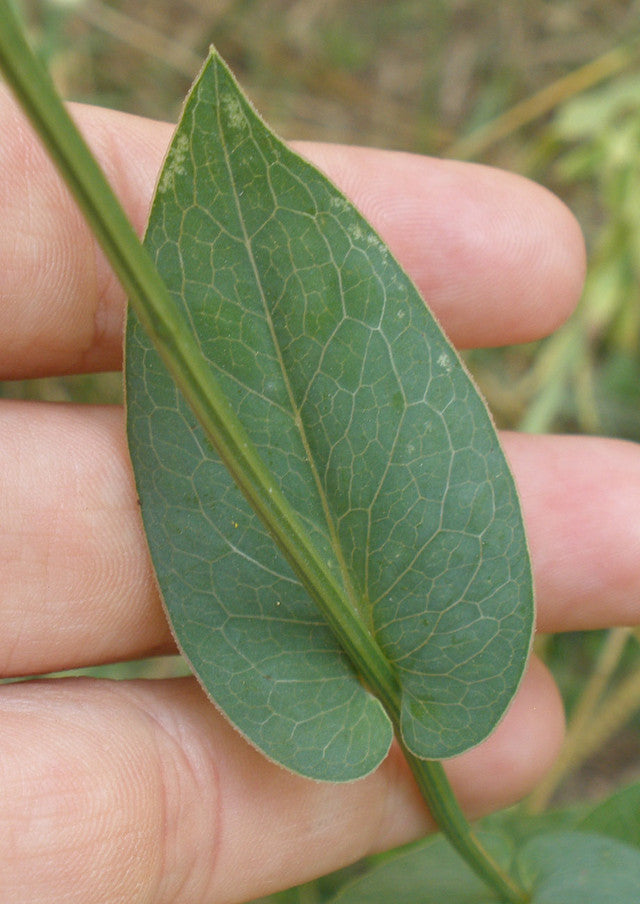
[498,258]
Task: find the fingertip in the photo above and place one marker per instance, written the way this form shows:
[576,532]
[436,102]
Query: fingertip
[556,250]
[580,498]
[511,256]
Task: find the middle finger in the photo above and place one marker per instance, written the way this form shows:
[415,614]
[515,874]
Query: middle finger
[77,582]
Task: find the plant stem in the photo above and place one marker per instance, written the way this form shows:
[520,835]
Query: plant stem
[437,792]
[172,336]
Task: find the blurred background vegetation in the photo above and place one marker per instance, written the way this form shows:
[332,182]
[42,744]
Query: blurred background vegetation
[547,89]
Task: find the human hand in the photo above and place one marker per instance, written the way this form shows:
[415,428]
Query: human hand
[140,791]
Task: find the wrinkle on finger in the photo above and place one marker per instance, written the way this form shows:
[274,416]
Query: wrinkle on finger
[62,307]
[76,582]
[47,282]
[101,801]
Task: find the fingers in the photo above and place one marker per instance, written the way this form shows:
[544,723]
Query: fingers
[148,784]
[61,308]
[75,577]
[76,584]
[580,499]
[498,258]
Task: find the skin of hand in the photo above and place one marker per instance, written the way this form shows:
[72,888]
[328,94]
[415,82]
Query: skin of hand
[141,791]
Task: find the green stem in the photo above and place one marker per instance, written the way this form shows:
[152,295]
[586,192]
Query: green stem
[437,792]
[172,335]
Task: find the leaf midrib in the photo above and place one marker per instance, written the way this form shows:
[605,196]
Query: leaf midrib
[349,589]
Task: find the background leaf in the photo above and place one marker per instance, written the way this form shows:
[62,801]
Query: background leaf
[557,867]
[567,867]
[371,428]
[430,872]
[618,816]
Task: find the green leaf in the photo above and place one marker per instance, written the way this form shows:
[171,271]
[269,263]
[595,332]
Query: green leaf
[371,429]
[567,867]
[430,872]
[556,867]
[617,817]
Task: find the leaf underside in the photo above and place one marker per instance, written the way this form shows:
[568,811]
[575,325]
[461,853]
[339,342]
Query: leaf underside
[372,429]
